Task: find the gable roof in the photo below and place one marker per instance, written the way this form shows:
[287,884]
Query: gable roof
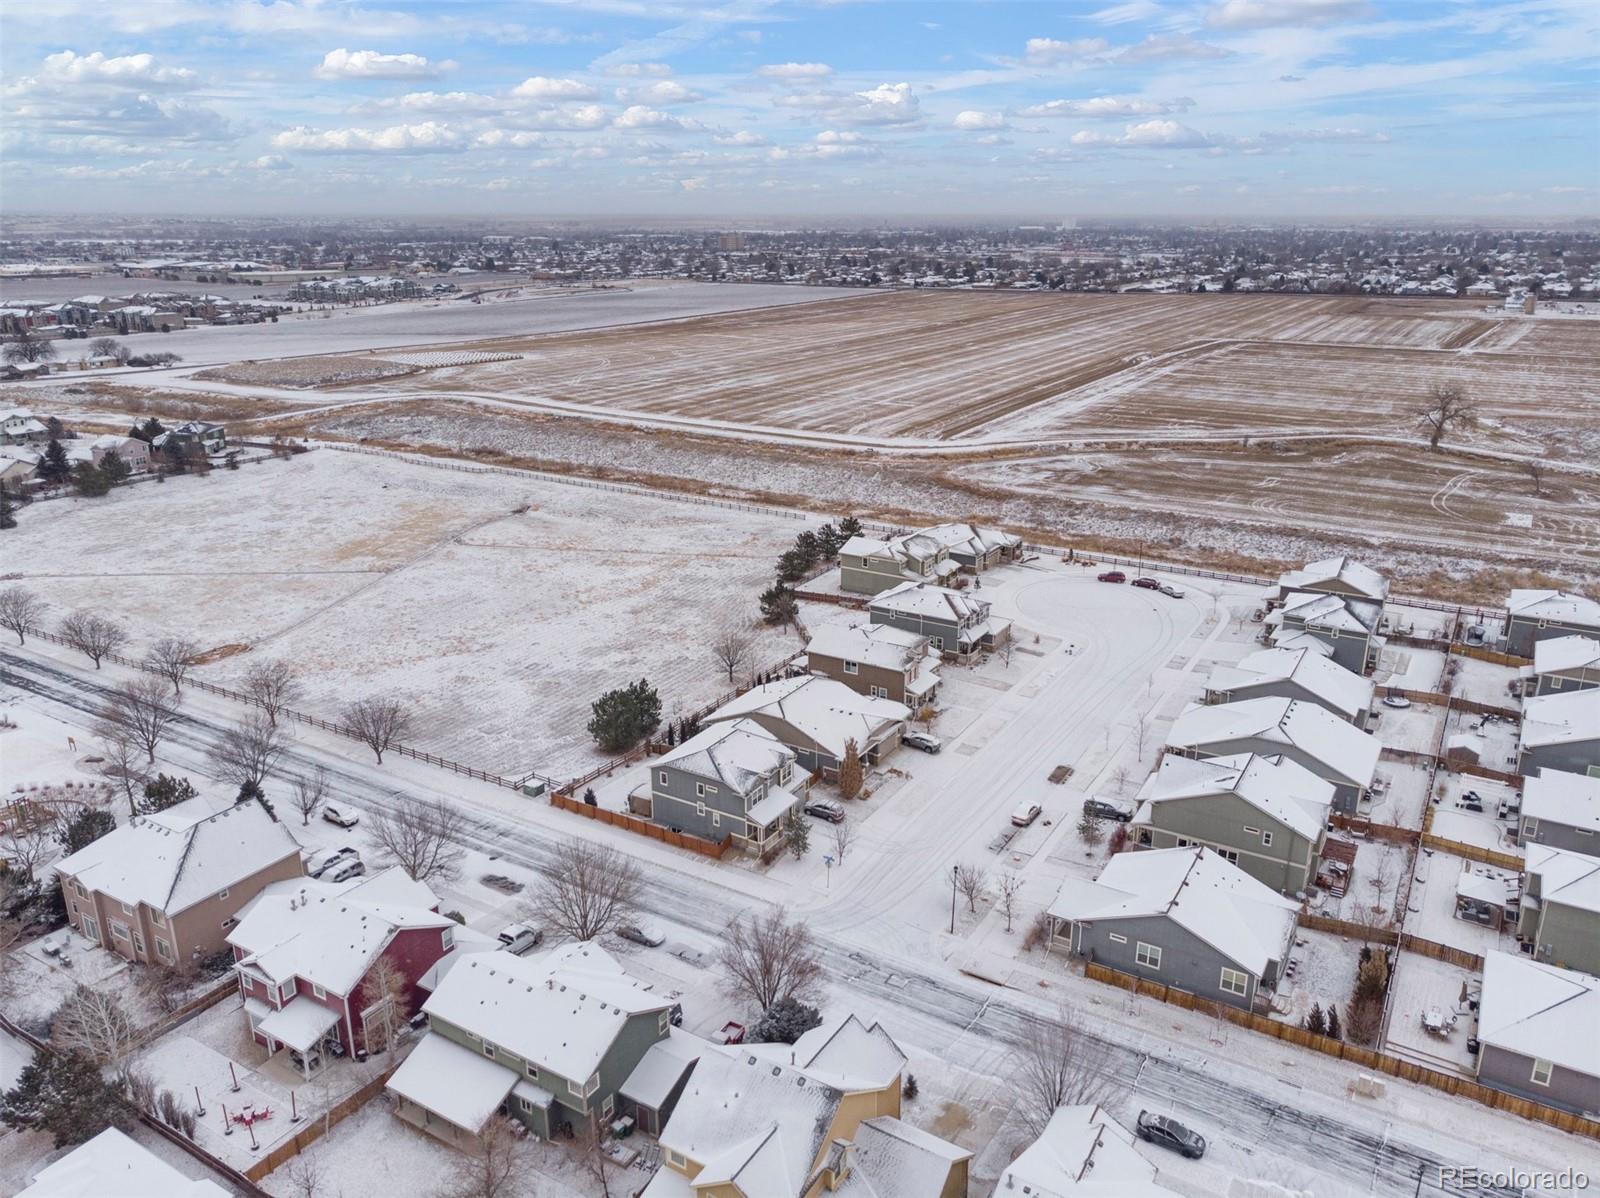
[1561,719]
[1531,604]
[112,1164]
[739,753]
[1573,652]
[170,868]
[932,602]
[1321,609]
[1566,877]
[1082,1153]
[881,645]
[1339,747]
[826,712]
[1280,789]
[1220,904]
[1362,579]
[976,539]
[1560,797]
[1540,1011]
[891,1159]
[1327,680]
[846,1054]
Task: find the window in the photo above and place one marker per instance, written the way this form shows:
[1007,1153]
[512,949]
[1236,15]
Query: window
[1530,827]
[228,923]
[164,950]
[157,918]
[663,776]
[1117,938]
[1235,981]
[528,1105]
[1541,1072]
[716,819]
[1249,831]
[1229,855]
[222,894]
[1266,840]
[676,1159]
[318,991]
[700,789]
[575,1088]
[1148,955]
[851,667]
[700,810]
[938,642]
[1555,684]
[126,909]
[608,1106]
[138,941]
[447,938]
[488,1049]
[119,929]
[664,1022]
[532,1070]
[594,1084]
[288,990]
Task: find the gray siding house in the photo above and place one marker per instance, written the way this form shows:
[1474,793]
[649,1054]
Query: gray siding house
[1536,615]
[732,779]
[817,718]
[1349,627]
[1564,664]
[877,660]
[1305,733]
[1561,810]
[1182,917]
[1268,816]
[1536,1028]
[1560,910]
[1294,674]
[976,547]
[1336,576]
[1561,732]
[547,1040]
[956,623]
[868,566]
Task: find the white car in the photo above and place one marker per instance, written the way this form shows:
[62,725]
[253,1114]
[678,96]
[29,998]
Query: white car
[324,860]
[342,816]
[1168,589]
[925,741]
[1026,813]
[518,938]
[345,870]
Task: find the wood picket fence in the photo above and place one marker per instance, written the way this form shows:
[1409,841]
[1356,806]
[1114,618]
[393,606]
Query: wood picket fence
[319,1126]
[643,827]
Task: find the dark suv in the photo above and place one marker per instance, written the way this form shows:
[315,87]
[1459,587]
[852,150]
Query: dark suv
[1106,809]
[1113,576]
[1169,1133]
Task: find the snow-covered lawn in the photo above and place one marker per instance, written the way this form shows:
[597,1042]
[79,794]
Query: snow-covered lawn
[44,982]
[1484,829]
[1418,985]
[1324,976]
[1414,729]
[1431,911]
[1379,877]
[1485,682]
[1401,793]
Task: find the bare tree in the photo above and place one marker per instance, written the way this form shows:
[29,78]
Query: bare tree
[246,753]
[140,711]
[1536,475]
[21,611]
[586,890]
[110,347]
[95,1023]
[377,723]
[843,833]
[1447,407]
[13,930]
[123,764]
[92,635]
[303,1176]
[28,348]
[385,996]
[26,844]
[309,792]
[971,881]
[1059,1064]
[1010,885]
[423,837]
[172,657]
[731,641]
[497,1164]
[273,685]
[766,958]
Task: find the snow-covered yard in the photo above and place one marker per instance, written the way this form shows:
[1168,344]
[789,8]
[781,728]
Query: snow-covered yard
[1413,729]
[1400,791]
[1486,829]
[1420,985]
[1431,911]
[1325,973]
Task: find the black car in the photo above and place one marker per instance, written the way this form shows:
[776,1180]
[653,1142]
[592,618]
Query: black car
[1169,1133]
[1107,810]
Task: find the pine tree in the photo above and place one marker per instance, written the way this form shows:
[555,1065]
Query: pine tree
[829,540]
[589,799]
[672,735]
[778,604]
[1333,1023]
[8,511]
[55,468]
[850,775]
[89,480]
[1317,1022]
[65,1095]
[850,527]
[910,1090]
[799,834]
[252,790]
[114,468]
[1089,829]
[84,829]
[166,792]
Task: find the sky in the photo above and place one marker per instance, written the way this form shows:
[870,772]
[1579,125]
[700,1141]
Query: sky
[765,109]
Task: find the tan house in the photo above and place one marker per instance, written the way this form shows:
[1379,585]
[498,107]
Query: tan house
[819,1117]
[878,660]
[166,889]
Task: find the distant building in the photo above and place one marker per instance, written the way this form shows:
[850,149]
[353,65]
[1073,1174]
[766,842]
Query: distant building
[1539,615]
[957,623]
[1294,674]
[734,779]
[1565,663]
[817,718]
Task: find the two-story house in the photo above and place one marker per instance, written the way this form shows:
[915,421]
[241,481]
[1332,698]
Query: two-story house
[877,660]
[323,963]
[166,889]
[975,547]
[548,1041]
[1082,1153]
[1305,733]
[1336,576]
[868,565]
[1562,810]
[1565,663]
[732,779]
[1560,731]
[817,718]
[1536,1031]
[1267,815]
[956,623]
[1294,674]
[207,437]
[19,426]
[1349,627]
[1559,913]
[1539,615]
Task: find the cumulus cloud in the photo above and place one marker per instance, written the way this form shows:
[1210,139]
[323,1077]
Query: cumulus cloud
[272,162]
[1169,47]
[639,70]
[888,104]
[444,102]
[129,70]
[1048,52]
[1157,133]
[538,87]
[427,137]
[974,120]
[1264,14]
[1109,107]
[568,116]
[795,72]
[663,91]
[640,116]
[743,137]
[370,64]
[515,139]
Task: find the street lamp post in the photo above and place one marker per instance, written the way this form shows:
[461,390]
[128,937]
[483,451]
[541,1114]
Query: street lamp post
[955,872]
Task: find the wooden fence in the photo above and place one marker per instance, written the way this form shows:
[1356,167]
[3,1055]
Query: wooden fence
[1345,927]
[318,1126]
[1361,826]
[210,998]
[618,819]
[1472,852]
[1484,771]
[1492,655]
[854,601]
[1366,1058]
[1447,953]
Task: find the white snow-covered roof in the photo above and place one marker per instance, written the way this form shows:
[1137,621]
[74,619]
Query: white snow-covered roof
[453,1082]
[1297,639]
[1362,579]
[880,645]
[740,753]
[844,1053]
[1554,605]
[931,602]
[326,937]
[1566,877]
[891,1159]
[1341,748]
[1573,652]
[1082,1153]
[778,801]
[976,539]
[1280,789]
[299,1024]
[1560,797]
[1540,1011]
[170,870]
[826,712]
[662,1066]
[1561,719]
[113,1166]
[1242,919]
[1318,609]
[865,547]
[562,1010]
[1335,686]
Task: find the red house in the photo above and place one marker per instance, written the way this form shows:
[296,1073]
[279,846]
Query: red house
[322,965]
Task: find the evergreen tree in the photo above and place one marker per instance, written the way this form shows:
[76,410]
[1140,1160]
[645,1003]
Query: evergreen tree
[850,527]
[589,797]
[8,510]
[66,1095]
[829,540]
[252,790]
[89,480]
[1317,1022]
[114,468]
[164,792]
[910,1090]
[672,735]
[1089,829]
[793,564]
[1333,1022]
[850,771]
[55,468]
[622,717]
[809,546]
[84,829]
[799,834]
[150,430]
[784,1022]
[778,604]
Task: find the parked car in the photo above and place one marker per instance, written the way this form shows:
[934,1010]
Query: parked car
[502,883]
[1026,812]
[1148,584]
[342,816]
[1169,1133]
[323,860]
[642,933]
[1171,591]
[1106,809]
[829,809]
[1113,576]
[925,741]
[518,938]
[1396,700]
[345,870]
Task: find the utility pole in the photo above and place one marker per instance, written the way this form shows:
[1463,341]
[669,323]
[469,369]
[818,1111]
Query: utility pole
[955,873]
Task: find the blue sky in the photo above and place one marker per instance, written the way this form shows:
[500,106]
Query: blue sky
[1218,109]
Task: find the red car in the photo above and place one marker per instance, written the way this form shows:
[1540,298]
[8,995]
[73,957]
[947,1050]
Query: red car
[1149,584]
[1113,576]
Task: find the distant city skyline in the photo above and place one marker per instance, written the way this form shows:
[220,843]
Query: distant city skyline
[1271,110]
